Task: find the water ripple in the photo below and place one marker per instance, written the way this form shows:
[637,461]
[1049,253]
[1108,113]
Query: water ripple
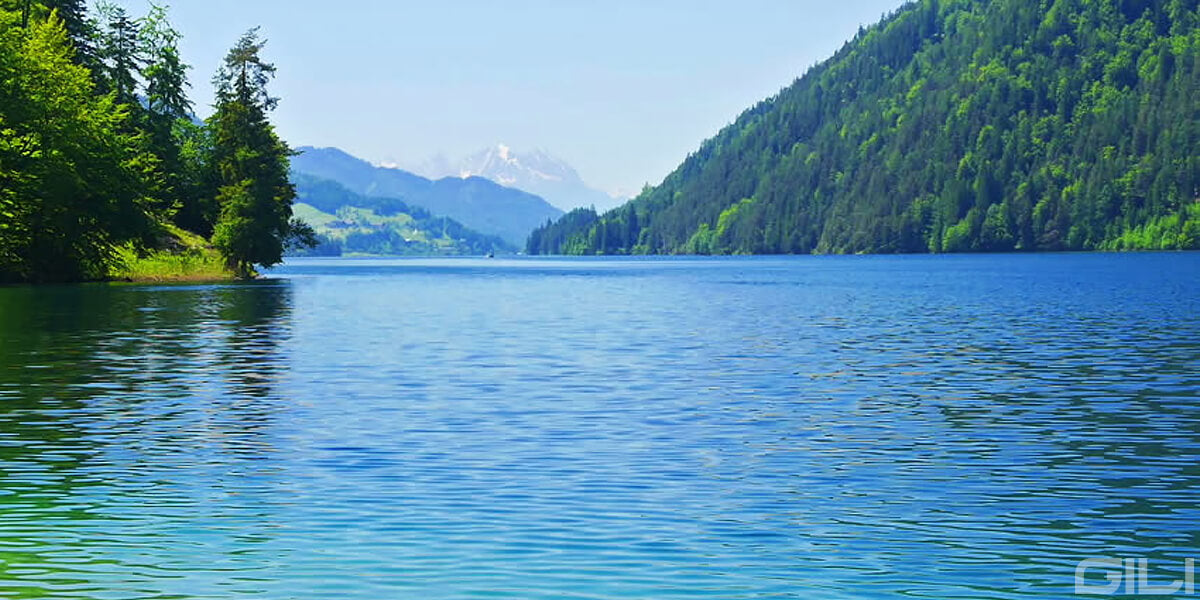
[859,427]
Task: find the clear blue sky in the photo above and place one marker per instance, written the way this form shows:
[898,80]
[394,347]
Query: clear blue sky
[621,89]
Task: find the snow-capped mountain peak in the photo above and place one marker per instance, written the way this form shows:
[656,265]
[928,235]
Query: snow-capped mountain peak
[501,164]
[536,171]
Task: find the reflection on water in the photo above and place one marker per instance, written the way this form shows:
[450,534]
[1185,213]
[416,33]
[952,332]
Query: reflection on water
[876,427]
[104,390]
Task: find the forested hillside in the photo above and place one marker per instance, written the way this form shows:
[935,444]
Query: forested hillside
[350,223]
[951,126]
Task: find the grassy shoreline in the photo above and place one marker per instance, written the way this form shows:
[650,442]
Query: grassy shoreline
[184,258]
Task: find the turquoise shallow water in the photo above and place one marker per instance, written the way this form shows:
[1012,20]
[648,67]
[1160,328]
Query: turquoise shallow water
[811,427]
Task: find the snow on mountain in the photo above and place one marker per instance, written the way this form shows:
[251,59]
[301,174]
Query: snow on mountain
[537,172]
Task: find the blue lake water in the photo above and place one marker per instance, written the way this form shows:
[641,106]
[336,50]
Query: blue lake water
[810,427]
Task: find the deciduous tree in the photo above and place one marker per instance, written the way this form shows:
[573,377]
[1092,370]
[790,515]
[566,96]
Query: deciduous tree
[72,175]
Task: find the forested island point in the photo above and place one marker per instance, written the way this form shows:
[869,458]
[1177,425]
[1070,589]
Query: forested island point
[104,171]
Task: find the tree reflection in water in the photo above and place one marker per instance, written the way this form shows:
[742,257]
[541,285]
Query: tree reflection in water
[139,404]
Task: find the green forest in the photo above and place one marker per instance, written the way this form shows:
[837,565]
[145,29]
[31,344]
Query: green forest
[103,164]
[950,126]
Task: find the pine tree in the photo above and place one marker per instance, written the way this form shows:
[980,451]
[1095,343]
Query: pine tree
[80,29]
[121,54]
[164,71]
[166,103]
[252,163]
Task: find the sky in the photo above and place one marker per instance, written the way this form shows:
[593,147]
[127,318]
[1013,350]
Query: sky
[623,90]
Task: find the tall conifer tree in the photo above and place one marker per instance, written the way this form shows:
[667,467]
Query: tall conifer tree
[255,195]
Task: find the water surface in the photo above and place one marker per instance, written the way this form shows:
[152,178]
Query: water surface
[813,427]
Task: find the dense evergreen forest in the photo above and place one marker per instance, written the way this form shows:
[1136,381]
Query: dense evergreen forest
[101,159]
[950,126]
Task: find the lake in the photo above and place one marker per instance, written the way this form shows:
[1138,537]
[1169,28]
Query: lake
[809,427]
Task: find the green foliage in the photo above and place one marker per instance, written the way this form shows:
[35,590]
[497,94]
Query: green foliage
[167,113]
[254,193]
[566,233]
[196,180]
[184,257]
[98,151]
[717,240]
[1176,231]
[81,30]
[72,172]
[120,54]
[349,223]
[164,71]
[951,126]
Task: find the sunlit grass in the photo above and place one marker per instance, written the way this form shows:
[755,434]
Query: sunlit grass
[189,258]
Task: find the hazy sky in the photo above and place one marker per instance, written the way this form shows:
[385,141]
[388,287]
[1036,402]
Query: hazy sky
[621,89]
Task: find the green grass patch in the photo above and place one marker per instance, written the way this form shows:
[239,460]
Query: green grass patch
[311,215]
[184,257]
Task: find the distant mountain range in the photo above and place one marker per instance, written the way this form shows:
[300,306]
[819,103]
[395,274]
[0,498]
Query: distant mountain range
[479,204]
[537,172]
[350,223]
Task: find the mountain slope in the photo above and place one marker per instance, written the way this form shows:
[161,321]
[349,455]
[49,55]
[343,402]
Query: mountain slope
[475,202]
[347,223]
[960,125]
[536,172]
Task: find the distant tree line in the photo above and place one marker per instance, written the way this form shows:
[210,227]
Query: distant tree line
[385,241]
[419,232]
[99,148]
[951,126]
